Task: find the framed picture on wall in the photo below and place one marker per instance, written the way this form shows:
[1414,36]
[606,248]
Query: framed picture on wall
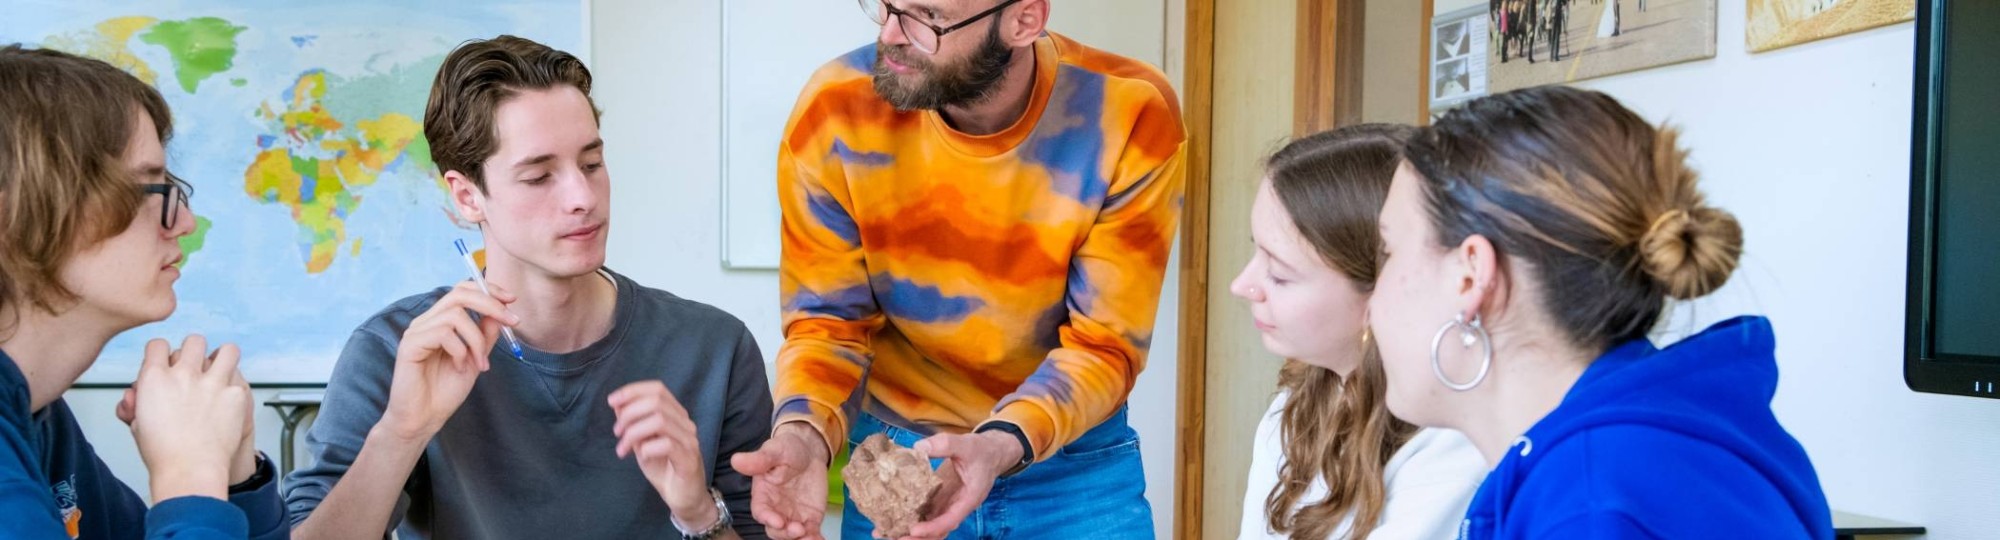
[1457,55]
[1772,24]
[1951,343]
[1541,42]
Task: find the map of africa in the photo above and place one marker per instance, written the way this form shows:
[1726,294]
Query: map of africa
[300,126]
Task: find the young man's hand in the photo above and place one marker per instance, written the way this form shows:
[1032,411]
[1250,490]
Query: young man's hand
[187,415]
[442,353]
[971,463]
[244,464]
[788,481]
[653,427]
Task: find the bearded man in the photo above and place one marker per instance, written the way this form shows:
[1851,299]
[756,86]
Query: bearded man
[977,216]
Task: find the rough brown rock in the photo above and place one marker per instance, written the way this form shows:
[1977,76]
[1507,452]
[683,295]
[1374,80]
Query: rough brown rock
[890,484]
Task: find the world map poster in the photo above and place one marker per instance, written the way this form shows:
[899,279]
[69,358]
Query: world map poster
[299,124]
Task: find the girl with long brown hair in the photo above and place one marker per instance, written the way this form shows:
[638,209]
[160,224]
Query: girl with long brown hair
[1330,461]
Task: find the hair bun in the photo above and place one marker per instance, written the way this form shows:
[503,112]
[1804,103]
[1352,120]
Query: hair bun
[1691,253]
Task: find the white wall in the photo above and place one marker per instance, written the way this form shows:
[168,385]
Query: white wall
[1809,146]
[657,67]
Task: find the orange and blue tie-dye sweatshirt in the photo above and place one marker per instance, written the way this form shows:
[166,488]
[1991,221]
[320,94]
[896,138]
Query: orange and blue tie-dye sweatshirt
[975,278]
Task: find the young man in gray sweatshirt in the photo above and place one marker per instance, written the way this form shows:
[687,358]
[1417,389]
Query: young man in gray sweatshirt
[616,414]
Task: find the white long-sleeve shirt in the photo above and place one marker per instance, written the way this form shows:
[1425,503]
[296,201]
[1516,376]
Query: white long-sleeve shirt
[1430,482]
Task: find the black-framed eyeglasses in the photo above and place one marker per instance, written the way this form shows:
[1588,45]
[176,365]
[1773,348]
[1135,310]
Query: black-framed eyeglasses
[177,192]
[921,33]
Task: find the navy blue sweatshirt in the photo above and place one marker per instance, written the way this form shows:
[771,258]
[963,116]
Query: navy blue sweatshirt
[1660,443]
[53,486]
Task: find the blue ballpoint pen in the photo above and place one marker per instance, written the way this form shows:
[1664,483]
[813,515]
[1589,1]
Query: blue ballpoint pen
[480,278]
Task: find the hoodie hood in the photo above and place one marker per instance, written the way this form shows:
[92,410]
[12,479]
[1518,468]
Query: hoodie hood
[1701,407]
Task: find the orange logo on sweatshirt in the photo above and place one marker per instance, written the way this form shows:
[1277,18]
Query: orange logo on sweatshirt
[72,520]
[65,492]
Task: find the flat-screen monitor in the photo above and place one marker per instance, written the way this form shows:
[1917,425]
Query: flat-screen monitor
[1952,333]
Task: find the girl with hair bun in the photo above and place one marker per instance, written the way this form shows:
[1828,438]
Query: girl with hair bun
[1532,240]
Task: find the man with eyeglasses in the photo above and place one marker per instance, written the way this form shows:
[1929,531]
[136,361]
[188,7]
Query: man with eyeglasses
[87,252]
[977,215]
[174,195]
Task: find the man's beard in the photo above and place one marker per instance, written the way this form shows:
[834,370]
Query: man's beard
[964,84]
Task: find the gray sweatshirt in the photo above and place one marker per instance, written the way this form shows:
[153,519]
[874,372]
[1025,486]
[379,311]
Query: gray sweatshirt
[530,454]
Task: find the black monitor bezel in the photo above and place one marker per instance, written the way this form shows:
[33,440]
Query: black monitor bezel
[1925,369]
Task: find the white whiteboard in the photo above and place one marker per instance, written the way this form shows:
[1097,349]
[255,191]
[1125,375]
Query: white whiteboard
[770,48]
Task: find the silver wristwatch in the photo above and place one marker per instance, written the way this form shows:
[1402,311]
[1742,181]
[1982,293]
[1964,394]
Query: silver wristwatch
[712,531]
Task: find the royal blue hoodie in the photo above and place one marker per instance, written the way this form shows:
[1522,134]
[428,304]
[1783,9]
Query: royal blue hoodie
[1660,443]
[53,486]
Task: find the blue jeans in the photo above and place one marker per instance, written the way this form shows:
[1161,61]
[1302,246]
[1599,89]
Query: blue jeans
[1093,488]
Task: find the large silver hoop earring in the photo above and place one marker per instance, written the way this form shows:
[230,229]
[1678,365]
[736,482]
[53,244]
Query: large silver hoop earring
[1467,332]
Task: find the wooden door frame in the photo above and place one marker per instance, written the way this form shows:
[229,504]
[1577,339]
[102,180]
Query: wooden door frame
[1327,91]
[1199,114]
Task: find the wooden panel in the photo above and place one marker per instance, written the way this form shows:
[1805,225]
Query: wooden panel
[1252,116]
[1389,86]
[1328,62]
[1198,94]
